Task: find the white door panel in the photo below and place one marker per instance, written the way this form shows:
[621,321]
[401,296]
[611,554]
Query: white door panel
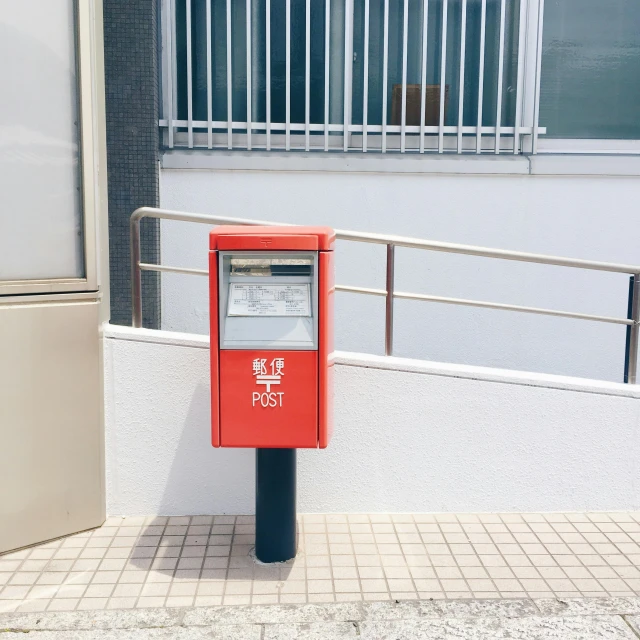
[51,469]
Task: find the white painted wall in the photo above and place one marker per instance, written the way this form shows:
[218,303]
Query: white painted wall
[580,216]
[410,436]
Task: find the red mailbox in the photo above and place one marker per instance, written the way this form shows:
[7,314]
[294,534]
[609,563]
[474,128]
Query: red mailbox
[271,315]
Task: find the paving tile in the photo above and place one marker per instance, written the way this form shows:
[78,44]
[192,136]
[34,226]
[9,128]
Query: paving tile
[613,584]
[79,577]
[68,591]
[472,572]
[369,561]
[481,585]
[371,572]
[127,591]
[33,565]
[468,561]
[346,586]
[322,573]
[66,604]
[99,590]
[33,605]
[348,597]
[59,565]
[105,577]
[86,564]
[319,586]
[133,577]
[427,585]
[442,561]
[180,601]
[121,603]
[375,597]
[150,602]
[24,578]
[182,575]
[449,573]
[293,598]
[455,586]
[391,561]
[339,573]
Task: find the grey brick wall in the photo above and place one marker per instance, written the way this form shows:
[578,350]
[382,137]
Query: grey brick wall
[131,78]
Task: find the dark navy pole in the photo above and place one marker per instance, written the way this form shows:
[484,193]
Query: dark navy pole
[627,346]
[275,504]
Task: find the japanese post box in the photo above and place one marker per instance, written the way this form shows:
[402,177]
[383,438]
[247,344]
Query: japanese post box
[271,314]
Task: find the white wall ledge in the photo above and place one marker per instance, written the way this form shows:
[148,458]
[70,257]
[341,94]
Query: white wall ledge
[154,336]
[407,365]
[468,164]
[488,374]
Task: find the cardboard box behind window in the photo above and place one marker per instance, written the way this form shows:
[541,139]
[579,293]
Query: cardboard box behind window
[431,106]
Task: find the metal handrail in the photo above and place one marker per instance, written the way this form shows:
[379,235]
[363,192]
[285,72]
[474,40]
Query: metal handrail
[391,241]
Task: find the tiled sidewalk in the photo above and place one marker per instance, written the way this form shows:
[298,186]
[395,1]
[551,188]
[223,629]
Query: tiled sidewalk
[206,560]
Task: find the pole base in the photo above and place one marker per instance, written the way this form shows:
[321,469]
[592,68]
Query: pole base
[276,539]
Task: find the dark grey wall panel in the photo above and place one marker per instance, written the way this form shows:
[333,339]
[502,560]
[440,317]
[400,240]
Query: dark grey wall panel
[131,75]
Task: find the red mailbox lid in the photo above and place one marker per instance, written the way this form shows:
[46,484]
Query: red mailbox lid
[255,238]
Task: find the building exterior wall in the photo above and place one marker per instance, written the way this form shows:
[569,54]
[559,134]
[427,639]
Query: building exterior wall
[553,212]
[409,436]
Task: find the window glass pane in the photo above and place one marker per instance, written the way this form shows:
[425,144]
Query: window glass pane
[590,84]
[40,216]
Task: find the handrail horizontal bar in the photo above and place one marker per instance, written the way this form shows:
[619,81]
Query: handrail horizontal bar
[487,305]
[427,298]
[511,307]
[365,290]
[145,266]
[419,296]
[202,218]
[402,241]
[471,250]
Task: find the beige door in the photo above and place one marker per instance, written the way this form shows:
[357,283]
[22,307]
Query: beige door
[52,296]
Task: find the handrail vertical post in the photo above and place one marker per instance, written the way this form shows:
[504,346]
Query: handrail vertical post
[634,332]
[136,273]
[388,325]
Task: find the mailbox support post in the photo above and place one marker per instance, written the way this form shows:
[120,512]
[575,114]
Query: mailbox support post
[276,539]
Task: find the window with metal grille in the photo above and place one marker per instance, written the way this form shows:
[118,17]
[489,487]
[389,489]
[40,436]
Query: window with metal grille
[365,75]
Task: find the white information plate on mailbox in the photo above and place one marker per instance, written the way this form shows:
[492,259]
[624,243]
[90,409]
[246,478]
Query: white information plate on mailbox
[269,300]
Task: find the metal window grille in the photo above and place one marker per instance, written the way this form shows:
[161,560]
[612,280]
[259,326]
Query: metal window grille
[407,76]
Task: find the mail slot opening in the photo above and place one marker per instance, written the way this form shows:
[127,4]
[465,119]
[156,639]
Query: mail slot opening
[271,266]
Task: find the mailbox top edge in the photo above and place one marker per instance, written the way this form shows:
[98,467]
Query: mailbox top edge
[261,238]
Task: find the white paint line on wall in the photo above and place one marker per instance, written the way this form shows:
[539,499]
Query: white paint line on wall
[409,365]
